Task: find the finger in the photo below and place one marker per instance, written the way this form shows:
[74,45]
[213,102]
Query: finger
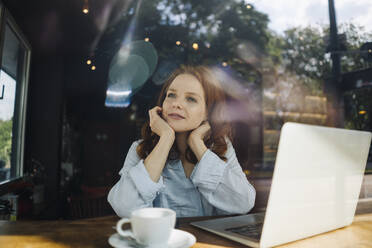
[206,125]
[157,109]
[151,113]
[154,112]
[206,129]
[150,118]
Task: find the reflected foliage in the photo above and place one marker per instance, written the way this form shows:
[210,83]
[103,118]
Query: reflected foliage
[5,142]
[358,109]
[304,52]
[219,28]
[283,74]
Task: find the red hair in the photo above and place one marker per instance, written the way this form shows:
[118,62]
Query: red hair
[215,100]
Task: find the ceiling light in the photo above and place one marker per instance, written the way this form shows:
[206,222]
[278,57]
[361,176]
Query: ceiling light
[86,7]
[195,46]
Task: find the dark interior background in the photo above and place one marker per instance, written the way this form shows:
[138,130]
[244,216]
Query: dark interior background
[62,87]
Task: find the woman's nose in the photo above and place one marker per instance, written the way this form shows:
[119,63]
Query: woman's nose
[176,104]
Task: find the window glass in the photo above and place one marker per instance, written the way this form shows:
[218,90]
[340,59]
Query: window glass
[6,123]
[276,60]
[12,92]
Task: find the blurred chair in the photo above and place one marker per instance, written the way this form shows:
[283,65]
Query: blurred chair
[91,203]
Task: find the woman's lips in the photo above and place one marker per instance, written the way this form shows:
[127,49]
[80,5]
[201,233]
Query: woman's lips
[175,116]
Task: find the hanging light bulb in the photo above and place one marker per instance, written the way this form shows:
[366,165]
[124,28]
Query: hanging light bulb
[178,43]
[89,62]
[93,68]
[147,39]
[195,46]
[86,7]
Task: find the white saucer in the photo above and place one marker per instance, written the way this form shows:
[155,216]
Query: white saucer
[178,239]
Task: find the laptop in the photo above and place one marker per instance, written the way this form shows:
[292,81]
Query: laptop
[315,187]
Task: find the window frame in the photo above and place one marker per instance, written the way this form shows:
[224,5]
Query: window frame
[20,105]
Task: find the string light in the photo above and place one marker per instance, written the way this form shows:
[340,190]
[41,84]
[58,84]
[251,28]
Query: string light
[362,112]
[224,64]
[249,6]
[86,7]
[147,39]
[89,62]
[93,68]
[178,43]
[195,46]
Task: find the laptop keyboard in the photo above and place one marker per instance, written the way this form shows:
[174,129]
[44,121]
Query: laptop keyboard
[252,231]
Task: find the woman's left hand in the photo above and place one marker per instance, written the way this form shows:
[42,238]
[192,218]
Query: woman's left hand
[199,133]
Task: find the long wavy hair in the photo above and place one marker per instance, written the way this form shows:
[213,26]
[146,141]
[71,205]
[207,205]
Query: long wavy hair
[215,103]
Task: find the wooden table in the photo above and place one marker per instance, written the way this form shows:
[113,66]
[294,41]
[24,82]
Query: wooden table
[95,233]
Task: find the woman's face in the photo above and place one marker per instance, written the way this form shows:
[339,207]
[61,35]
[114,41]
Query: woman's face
[184,106]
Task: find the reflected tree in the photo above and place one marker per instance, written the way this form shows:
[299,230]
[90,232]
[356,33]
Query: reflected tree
[304,52]
[197,32]
[6,141]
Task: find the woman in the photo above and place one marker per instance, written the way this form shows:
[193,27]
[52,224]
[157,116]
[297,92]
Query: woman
[185,160]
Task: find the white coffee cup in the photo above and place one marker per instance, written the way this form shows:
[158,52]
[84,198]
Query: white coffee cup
[149,226]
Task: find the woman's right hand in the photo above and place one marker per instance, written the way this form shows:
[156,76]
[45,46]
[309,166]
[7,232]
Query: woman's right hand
[158,125]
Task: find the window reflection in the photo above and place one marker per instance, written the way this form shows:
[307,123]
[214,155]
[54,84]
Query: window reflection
[273,58]
[281,65]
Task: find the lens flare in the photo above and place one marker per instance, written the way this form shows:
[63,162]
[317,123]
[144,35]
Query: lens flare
[242,103]
[118,95]
[130,68]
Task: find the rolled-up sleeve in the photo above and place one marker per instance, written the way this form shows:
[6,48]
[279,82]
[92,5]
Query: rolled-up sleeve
[224,184]
[135,189]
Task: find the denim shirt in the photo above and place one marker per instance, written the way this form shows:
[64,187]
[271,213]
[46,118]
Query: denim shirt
[215,187]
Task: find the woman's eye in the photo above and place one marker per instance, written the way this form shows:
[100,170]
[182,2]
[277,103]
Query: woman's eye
[191,99]
[171,95]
